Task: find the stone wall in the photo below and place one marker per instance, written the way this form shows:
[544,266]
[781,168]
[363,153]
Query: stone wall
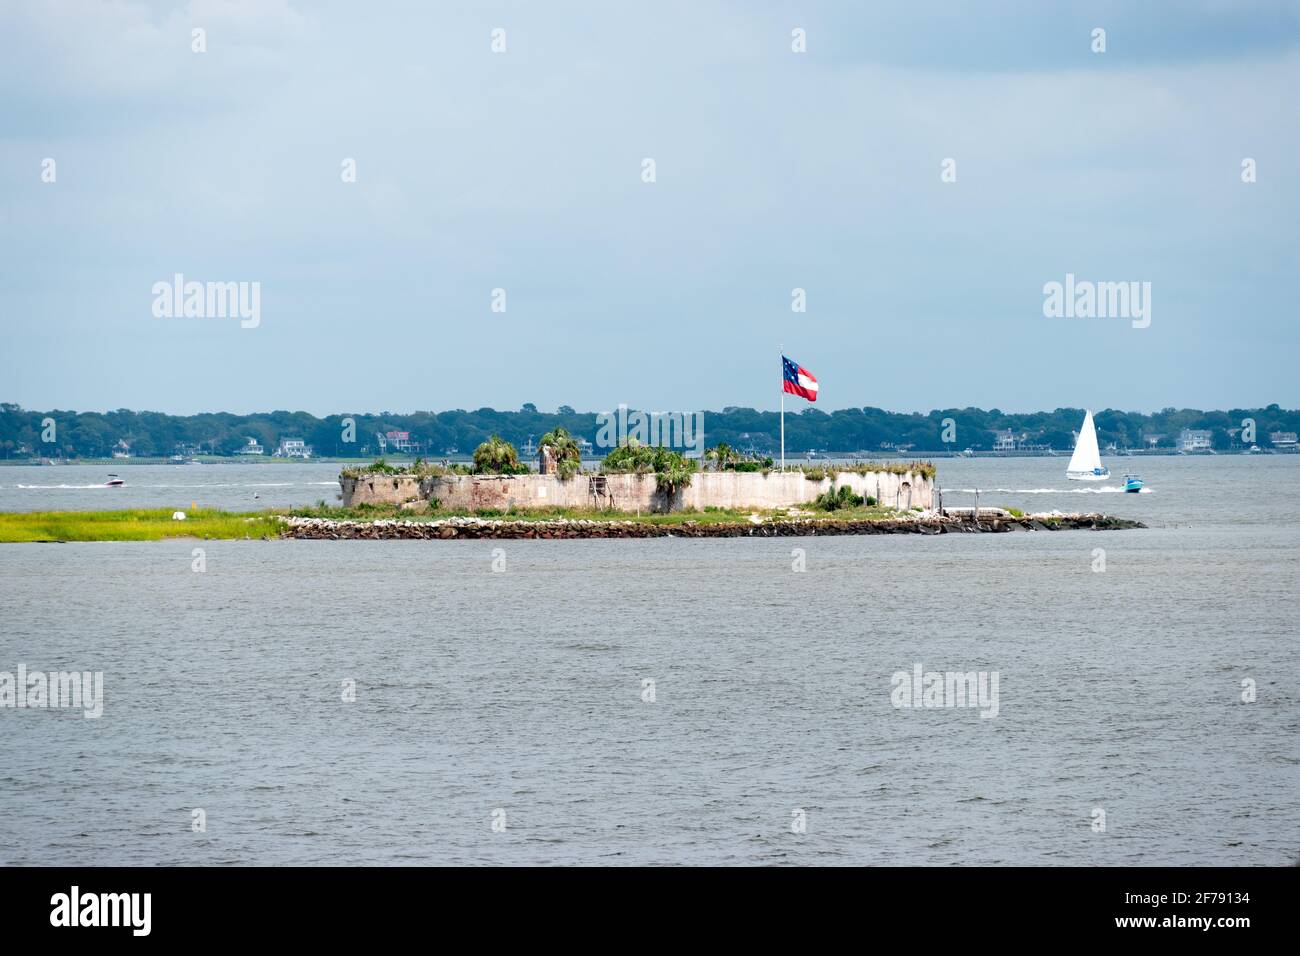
[727,489]
[379,490]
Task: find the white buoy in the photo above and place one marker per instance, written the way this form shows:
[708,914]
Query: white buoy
[178,515]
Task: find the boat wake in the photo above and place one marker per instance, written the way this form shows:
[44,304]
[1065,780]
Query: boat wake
[1118,489]
[63,487]
[267,484]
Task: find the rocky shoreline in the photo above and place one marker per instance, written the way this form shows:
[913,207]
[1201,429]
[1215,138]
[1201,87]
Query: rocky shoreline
[480,528]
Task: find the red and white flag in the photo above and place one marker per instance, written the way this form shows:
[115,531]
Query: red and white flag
[797,380]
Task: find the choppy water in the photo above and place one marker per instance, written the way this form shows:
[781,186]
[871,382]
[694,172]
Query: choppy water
[522,690]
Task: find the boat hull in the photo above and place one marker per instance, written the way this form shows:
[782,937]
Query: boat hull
[1088,475]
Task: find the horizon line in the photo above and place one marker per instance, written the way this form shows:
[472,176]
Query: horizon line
[722,411]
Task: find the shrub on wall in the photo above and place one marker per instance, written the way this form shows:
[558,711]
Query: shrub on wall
[498,457]
[672,470]
[568,456]
[925,469]
[722,457]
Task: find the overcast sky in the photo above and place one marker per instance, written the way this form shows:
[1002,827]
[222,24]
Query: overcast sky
[523,171]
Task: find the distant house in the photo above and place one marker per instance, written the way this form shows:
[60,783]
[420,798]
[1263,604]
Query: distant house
[1282,439]
[1194,439]
[293,448]
[399,441]
[1006,440]
[252,448]
[1153,440]
[122,449]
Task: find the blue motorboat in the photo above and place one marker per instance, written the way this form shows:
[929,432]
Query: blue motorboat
[1133,483]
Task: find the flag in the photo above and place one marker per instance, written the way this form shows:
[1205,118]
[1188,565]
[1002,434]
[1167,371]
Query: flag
[797,380]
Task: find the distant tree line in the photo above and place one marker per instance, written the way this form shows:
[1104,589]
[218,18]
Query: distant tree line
[435,434]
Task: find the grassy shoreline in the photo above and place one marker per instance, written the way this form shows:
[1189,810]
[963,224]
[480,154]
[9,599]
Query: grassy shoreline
[391,522]
[157,524]
[148,524]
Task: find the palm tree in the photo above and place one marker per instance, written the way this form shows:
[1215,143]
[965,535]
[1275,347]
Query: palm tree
[497,456]
[568,456]
[721,455]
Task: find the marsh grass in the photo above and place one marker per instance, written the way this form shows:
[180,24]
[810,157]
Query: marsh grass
[157,524]
[133,525]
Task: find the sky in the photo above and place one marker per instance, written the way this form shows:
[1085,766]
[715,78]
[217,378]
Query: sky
[523,170]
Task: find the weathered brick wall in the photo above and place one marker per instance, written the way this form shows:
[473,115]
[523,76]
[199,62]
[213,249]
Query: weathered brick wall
[726,489]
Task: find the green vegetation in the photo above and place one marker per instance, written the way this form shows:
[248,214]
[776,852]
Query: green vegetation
[722,457]
[135,525]
[672,470]
[158,524]
[925,469]
[838,499]
[568,456]
[418,468]
[496,456]
[377,467]
[864,430]
[1014,512]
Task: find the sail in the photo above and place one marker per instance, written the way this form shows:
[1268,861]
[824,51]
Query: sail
[1086,457]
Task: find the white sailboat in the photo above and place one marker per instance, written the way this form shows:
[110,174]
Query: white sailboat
[1085,464]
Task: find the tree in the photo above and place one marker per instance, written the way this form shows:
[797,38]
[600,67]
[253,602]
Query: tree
[721,455]
[497,457]
[568,456]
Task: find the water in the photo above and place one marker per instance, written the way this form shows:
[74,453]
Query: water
[522,690]
[233,487]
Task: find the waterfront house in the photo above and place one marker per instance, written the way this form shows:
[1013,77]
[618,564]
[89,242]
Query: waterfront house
[252,448]
[1007,440]
[1282,439]
[400,441]
[293,448]
[1194,439]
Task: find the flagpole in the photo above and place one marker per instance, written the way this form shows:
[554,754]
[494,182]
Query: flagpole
[783,406]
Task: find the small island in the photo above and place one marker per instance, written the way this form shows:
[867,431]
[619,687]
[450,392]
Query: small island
[637,492]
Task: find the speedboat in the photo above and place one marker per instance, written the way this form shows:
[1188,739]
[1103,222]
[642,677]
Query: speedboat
[1085,464]
[114,482]
[1133,483]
